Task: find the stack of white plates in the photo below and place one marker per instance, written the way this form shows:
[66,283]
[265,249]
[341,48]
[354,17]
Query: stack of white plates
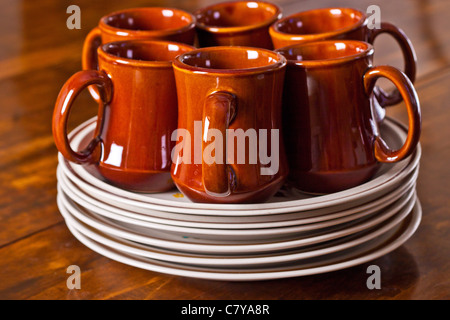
[291,235]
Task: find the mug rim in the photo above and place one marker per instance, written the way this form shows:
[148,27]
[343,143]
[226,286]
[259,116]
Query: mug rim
[368,51]
[237,29]
[276,32]
[111,58]
[182,66]
[103,24]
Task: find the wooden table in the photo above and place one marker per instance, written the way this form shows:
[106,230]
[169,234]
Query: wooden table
[38,53]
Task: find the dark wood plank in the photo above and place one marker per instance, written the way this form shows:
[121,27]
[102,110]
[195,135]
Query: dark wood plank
[44,261]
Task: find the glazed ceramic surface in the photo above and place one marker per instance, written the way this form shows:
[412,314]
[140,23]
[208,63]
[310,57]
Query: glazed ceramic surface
[343,24]
[262,267]
[275,220]
[94,224]
[219,244]
[237,23]
[139,24]
[332,139]
[152,23]
[132,141]
[389,178]
[323,240]
[222,89]
[333,227]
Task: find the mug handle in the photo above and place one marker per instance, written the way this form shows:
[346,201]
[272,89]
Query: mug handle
[406,89]
[409,56]
[66,97]
[89,58]
[219,111]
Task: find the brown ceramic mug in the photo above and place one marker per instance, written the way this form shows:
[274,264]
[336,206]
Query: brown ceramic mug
[332,140]
[235,93]
[236,23]
[343,24]
[132,141]
[152,23]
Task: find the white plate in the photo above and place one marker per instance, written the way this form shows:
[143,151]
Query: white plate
[152,209]
[130,247]
[261,234]
[354,256]
[221,244]
[235,222]
[284,233]
[386,178]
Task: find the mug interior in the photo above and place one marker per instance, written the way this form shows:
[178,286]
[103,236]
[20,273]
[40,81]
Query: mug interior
[149,19]
[146,50]
[324,50]
[230,58]
[320,21]
[236,14]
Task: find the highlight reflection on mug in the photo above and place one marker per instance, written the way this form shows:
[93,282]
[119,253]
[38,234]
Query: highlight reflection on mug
[212,151]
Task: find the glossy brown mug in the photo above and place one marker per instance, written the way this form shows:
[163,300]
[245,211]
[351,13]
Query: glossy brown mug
[236,23]
[151,23]
[229,90]
[344,24]
[332,139]
[132,141]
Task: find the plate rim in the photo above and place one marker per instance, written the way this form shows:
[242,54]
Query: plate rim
[85,200]
[370,255]
[249,232]
[239,248]
[168,205]
[214,260]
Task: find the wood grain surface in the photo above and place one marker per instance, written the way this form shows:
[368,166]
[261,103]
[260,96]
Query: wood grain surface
[38,53]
